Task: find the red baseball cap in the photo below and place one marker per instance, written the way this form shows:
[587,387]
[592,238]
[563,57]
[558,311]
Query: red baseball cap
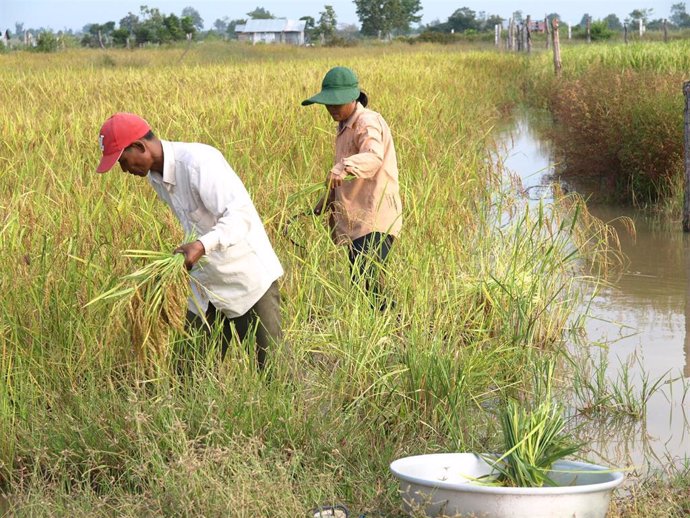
[118,132]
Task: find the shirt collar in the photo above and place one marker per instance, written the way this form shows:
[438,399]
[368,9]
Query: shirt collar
[168,162]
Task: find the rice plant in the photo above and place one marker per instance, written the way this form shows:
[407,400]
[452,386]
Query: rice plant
[154,299]
[534,438]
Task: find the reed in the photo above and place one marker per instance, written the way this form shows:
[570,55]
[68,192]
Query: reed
[620,120]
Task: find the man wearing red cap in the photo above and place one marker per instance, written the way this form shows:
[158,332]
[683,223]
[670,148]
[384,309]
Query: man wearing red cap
[240,269]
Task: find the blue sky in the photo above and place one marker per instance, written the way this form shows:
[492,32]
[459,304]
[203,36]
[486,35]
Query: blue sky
[74,14]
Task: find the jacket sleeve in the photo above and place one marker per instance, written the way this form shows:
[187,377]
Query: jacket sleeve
[369,140]
[223,195]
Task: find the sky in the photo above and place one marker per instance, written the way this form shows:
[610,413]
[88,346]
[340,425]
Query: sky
[75,14]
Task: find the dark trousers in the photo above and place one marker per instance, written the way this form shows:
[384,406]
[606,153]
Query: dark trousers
[263,318]
[367,256]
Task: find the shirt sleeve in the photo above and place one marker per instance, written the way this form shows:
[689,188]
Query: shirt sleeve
[223,195]
[369,140]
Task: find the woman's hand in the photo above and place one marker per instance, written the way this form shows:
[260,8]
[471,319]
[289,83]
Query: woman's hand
[318,208]
[334,179]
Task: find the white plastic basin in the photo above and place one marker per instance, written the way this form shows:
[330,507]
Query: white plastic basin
[442,484]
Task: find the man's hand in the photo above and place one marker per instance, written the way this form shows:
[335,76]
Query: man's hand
[192,253]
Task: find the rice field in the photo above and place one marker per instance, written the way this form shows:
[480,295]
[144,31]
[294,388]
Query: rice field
[480,306]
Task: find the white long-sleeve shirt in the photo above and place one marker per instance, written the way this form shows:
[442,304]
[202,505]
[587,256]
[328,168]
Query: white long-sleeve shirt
[213,205]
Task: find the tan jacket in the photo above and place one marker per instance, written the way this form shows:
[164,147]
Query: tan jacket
[369,198]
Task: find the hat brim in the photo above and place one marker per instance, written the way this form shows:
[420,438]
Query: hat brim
[333,96]
[108,161]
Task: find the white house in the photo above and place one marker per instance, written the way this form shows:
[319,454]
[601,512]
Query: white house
[278,30]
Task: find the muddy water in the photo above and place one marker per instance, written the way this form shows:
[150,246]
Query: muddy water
[640,324]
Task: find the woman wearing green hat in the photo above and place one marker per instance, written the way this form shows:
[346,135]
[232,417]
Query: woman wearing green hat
[364,195]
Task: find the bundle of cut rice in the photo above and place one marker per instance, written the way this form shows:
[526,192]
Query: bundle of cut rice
[154,299]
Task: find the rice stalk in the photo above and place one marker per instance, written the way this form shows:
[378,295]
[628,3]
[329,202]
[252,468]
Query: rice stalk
[533,441]
[153,298]
[533,438]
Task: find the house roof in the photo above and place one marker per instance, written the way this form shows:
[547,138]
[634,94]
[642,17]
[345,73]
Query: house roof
[274,25]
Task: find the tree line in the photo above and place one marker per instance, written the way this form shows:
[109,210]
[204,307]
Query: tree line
[381,19]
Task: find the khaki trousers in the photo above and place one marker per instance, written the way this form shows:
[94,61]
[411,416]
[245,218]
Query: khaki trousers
[263,318]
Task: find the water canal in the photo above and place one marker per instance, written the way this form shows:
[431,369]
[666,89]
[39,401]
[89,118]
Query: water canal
[637,326]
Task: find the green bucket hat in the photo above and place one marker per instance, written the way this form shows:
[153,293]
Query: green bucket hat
[339,86]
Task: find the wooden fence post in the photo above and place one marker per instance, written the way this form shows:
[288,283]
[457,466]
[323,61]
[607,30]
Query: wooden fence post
[528,33]
[513,38]
[665,31]
[686,194]
[547,31]
[556,48]
[510,22]
[625,33]
[589,29]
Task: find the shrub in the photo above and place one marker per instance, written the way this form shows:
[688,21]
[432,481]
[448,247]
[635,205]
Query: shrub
[624,129]
[46,42]
[599,31]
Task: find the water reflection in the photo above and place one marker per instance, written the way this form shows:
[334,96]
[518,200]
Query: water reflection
[641,320]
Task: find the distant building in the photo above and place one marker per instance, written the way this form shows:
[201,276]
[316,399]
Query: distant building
[537,26]
[279,30]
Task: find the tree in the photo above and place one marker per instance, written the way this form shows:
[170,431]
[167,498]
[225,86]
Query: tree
[372,16]
[260,14]
[121,35]
[96,34]
[325,29]
[381,17]
[173,26]
[613,22]
[221,25]
[462,19]
[155,27]
[641,14]
[19,29]
[309,28]
[585,18]
[655,25]
[679,15]
[491,21]
[348,31]
[404,13]
[151,27]
[187,26]
[232,25]
[129,22]
[197,20]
